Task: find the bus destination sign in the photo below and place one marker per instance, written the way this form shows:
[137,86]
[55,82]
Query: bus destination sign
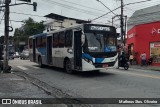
[101,28]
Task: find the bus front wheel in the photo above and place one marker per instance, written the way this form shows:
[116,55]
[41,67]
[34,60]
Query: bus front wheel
[68,67]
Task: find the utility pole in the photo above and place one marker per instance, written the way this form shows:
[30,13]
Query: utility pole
[8,28]
[125,31]
[122,24]
[6,22]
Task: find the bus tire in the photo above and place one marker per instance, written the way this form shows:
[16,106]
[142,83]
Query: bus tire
[68,66]
[97,71]
[40,62]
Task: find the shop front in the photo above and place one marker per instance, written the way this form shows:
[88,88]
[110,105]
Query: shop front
[144,38]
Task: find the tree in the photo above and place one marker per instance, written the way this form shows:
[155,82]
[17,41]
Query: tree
[29,27]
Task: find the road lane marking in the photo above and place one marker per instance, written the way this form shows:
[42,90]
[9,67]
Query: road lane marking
[142,75]
[23,68]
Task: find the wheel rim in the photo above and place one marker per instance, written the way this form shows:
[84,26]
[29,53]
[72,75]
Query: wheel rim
[68,67]
[126,67]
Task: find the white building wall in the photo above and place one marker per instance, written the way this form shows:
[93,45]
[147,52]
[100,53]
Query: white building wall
[52,24]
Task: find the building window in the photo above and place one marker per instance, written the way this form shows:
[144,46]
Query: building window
[43,41]
[155,52]
[39,42]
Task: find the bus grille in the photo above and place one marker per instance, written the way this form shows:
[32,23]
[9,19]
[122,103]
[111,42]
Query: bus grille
[100,65]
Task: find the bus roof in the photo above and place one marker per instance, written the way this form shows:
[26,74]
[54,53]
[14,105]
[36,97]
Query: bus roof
[79,25]
[72,27]
[39,35]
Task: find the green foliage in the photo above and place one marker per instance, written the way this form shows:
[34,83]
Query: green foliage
[29,28]
[32,28]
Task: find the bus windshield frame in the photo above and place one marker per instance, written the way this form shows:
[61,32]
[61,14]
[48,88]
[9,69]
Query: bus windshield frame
[100,42]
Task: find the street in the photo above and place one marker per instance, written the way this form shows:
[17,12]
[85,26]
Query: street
[112,83]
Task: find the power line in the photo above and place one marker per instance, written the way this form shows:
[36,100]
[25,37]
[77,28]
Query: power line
[106,7]
[120,7]
[27,14]
[1,5]
[74,8]
[105,14]
[83,6]
[2,19]
[15,21]
[145,5]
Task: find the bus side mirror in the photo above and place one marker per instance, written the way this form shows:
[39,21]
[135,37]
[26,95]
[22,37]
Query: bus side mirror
[83,38]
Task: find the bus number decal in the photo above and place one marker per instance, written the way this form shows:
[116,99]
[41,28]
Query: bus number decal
[100,28]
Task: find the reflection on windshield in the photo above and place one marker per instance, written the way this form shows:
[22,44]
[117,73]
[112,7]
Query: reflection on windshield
[99,43]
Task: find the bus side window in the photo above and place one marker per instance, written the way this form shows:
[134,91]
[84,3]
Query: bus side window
[68,38]
[43,44]
[55,40]
[39,42]
[61,39]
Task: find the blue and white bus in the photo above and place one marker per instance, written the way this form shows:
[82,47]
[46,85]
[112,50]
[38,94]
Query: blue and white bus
[85,47]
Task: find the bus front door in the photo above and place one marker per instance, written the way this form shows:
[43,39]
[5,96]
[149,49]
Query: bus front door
[34,50]
[49,50]
[77,51]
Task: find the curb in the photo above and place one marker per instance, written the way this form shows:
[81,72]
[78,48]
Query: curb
[145,68]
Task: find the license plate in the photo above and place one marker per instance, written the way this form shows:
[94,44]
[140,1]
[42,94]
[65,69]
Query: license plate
[105,65]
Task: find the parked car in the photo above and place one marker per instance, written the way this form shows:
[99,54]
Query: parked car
[24,54]
[16,55]
[11,55]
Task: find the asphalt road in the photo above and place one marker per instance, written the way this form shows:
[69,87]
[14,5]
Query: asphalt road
[111,83]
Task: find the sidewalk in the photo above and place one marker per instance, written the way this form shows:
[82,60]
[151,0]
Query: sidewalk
[154,68]
[15,86]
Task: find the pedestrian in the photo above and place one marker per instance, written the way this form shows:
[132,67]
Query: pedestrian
[131,58]
[143,58]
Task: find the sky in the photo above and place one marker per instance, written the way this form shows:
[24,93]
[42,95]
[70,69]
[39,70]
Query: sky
[80,9]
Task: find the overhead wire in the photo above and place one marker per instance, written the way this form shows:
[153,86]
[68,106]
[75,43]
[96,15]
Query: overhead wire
[120,7]
[26,14]
[1,8]
[1,19]
[73,8]
[83,6]
[144,4]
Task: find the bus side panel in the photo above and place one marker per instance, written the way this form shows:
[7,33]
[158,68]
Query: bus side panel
[57,57]
[41,52]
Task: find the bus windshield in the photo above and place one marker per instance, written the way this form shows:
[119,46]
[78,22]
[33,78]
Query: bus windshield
[99,42]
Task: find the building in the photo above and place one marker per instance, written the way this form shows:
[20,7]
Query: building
[143,34]
[56,22]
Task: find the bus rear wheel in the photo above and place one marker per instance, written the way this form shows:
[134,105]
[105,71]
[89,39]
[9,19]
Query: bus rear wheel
[40,62]
[68,67]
